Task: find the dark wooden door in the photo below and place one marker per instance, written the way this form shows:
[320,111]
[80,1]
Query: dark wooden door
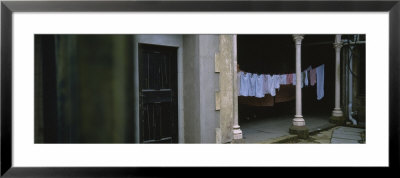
[158,94]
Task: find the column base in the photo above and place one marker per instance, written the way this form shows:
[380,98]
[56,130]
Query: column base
[237,134]
[338,120]
[337,112]
[300,131]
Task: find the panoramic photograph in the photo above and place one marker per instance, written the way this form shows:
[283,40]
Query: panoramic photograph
[200,88]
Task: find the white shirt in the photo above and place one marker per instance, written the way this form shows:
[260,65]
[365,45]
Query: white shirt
[276,79]
[282,80]
[266,84]
[260,86]
[244,84]
[271,85]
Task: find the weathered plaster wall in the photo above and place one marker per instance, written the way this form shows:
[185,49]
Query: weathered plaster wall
[209,84]
[191,88]
[200,84]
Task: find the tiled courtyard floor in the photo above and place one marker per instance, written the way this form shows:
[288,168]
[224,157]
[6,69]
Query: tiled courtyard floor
[339,134]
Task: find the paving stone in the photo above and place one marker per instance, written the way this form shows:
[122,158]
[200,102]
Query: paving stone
[323,141]
[339,140]
[346,136]
[350,129]
[346,133]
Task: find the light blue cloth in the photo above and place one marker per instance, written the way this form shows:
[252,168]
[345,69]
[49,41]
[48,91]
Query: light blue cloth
[260,86]
[266,84]
[271,85]
[306,78]
[283,80]
[294,79]
[306,82]
[252,88]
[244,84]
[238,82]
[320,81]
[277,80]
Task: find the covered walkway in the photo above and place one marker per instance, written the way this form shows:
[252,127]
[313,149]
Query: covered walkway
[268,124]
[261,130]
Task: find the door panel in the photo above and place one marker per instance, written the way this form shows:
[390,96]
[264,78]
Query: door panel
[158,99]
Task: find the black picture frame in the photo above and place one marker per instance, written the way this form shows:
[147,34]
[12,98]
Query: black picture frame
[8,7]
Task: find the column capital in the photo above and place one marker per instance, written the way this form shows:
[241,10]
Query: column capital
[338,42]
[338,45]
[297,38]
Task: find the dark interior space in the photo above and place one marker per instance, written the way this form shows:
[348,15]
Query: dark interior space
[83,89]
[275,54]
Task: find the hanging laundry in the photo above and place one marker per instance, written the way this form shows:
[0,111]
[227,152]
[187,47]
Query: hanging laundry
[238,82]
[305,77]
[259,86]
[282,80]
[289,79]
[294,79]
[276,79]
[313,77]
[266,84]
[271,85]
[244,84]
[320,81]
[308,68]
[252,88]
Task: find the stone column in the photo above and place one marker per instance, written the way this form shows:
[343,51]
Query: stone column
[237,133]
[337,114]
[299,125]
[225,97]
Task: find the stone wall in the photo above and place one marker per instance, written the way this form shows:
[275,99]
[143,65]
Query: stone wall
[224,65]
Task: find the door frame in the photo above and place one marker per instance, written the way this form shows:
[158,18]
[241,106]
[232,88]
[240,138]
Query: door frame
[162,40]
[174,87]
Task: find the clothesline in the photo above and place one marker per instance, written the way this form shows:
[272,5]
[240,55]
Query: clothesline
[259,85]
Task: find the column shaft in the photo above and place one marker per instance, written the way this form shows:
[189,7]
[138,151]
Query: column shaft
[299,125]
[298,118]
[237,133]
[337,112]
[298,81]
[337,79]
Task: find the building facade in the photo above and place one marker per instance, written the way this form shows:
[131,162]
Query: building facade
[185,89]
